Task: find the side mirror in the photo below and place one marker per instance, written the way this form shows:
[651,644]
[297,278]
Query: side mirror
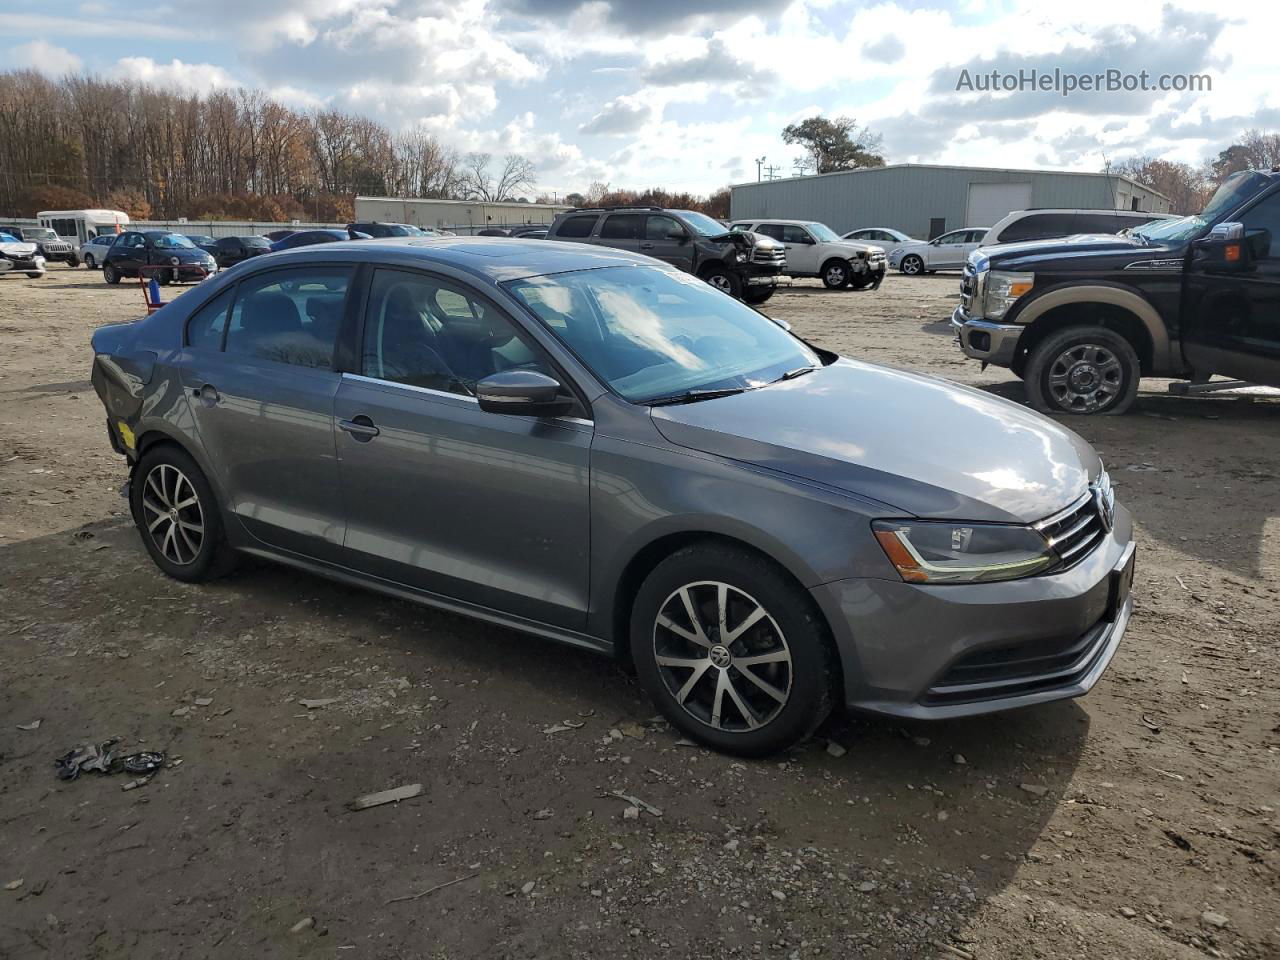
[524,393]
[678,235]
[1224,246]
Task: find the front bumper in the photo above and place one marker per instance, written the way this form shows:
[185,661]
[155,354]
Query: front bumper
[28,266]
[936,652]
[995,343]
[760,274]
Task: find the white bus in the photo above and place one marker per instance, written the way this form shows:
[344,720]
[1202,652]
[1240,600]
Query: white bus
[81,226]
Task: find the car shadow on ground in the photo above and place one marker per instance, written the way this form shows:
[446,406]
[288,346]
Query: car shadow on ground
[913,809]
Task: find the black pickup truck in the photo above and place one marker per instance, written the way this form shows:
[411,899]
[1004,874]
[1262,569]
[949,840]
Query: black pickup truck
[1082,319]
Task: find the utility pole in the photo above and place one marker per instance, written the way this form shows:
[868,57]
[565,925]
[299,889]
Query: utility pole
[772,172]
[759,163]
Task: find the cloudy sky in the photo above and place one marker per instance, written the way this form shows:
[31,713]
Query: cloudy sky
[687,93]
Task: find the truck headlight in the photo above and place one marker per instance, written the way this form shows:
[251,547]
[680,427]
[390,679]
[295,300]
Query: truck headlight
[929,551]
[1002,289]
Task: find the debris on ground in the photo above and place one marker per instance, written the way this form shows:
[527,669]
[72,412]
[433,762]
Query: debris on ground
[1178,840]
[633,730]
[636,802]
[438,886]
[543,814]
[959,760]
[835,749]
[1212,919]
[394,795]
[317,704]
[145,762]
[563,726]
[135,784]
[306,923]
[90,757]
[527,888]
[1033,788]
[13,884]
[33,725]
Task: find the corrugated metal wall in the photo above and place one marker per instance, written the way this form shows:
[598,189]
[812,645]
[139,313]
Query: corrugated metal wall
[908,198]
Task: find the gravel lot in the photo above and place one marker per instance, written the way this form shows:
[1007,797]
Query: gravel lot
[1141,821]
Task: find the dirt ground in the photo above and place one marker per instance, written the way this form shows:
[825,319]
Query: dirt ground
[1140,821]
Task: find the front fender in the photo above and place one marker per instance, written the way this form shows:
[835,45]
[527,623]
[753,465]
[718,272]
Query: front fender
[1164,354]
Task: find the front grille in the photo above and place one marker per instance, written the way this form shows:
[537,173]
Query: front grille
[970,292]
[1076,531]
[768,254]
[1018,670]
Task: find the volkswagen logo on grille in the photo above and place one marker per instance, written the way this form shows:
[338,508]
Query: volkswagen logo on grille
[1104,501]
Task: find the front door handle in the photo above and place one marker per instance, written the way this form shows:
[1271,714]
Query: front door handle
[361,428]
[646,246]
[207,394]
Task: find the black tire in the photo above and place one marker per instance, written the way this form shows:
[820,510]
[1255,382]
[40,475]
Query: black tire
[861,281]
[110,273]
[73,262]
[791,626]
[836,274]
[155,485]
[724,280]
[758,295]
[88,261]
[912,265]
[34,276]
[163,277]
[1083,370]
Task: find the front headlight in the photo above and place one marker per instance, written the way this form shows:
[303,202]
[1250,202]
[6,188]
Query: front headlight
[928,551]
[1003,288]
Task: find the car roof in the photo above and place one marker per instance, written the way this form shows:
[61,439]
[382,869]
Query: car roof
[494,259]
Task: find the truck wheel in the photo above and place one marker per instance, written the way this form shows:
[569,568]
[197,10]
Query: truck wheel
[724,280]
[861,281]
[73,261]
[1086,370]
[836,274]
[912,265]
[757,295]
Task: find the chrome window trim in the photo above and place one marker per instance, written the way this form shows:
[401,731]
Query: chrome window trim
[378,382]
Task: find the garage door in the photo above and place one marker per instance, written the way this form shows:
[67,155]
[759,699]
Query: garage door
[988,202]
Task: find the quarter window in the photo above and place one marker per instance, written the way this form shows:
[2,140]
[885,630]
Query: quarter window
[577,226]
[290,316]
[424,332]
[204,329]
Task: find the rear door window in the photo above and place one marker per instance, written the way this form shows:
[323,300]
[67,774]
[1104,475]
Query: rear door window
[773,230]
[290,316]
[622,226]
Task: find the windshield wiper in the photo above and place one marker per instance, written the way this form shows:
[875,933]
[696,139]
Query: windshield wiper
[693,396]
[797,372]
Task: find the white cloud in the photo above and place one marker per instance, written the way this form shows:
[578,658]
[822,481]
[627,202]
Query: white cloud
[45,57]
[191,77]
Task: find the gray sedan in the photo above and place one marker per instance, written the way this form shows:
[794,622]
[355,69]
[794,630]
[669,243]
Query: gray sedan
[589,446]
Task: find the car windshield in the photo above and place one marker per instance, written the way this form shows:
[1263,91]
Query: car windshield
[39,233]
[655,334]
[1235,190]
[255,242]
[702,224]
[170,241]
[822,232]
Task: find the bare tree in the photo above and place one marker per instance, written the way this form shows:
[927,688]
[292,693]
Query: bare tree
[517,175]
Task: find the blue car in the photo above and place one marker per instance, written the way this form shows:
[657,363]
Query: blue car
[307,237]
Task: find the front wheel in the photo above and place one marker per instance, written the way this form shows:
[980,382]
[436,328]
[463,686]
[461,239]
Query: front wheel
[912,265]
[88,261]
[73,262]
[110,273]
[732,650]
[35,275]
[1086,370]
[177,514]
[724,280]
[836,274]
[758,295]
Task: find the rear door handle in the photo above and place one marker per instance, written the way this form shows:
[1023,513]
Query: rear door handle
[361,428]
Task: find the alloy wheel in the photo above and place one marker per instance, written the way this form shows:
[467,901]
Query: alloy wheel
[722,657]
[912,265]
[173,515]
[836,275]
[88,260]
[721,282]
[1085,378]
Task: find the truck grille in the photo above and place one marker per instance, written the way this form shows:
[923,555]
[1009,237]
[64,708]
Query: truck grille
[970,292]
[768,254]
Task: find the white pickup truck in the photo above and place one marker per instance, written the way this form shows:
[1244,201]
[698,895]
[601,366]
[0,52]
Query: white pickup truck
[815,250]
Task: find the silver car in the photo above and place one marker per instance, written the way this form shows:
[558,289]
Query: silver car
[590,446]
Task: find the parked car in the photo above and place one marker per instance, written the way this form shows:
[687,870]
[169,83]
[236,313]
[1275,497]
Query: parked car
[94,251]
[228,251]
[947,252]
[615,456]
[137,250]
[532,231]
[1061,222]
[48,244]
[377,229]
[19,256]
[205,242]
[743,265]
[275,235]
[815,250]
[885,237]
[306,238]
[492,232]
[1081,319]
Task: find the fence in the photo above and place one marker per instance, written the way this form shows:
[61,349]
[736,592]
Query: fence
[252,228]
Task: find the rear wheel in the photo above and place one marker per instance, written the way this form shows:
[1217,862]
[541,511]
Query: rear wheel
[733,652]
[178,516]
[110,273]
[758,295]
[1086,370]
[836,274]
[88,261]
[724,280]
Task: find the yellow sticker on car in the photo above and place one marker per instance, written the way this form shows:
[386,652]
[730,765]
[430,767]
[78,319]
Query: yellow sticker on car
[125,433]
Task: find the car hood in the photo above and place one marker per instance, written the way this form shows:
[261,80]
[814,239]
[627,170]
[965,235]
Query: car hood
[857,246]
[1059,247]
[17,248]
[921,445]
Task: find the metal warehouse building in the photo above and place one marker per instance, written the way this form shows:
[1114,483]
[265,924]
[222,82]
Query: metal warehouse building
[462,216]
[924,200]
